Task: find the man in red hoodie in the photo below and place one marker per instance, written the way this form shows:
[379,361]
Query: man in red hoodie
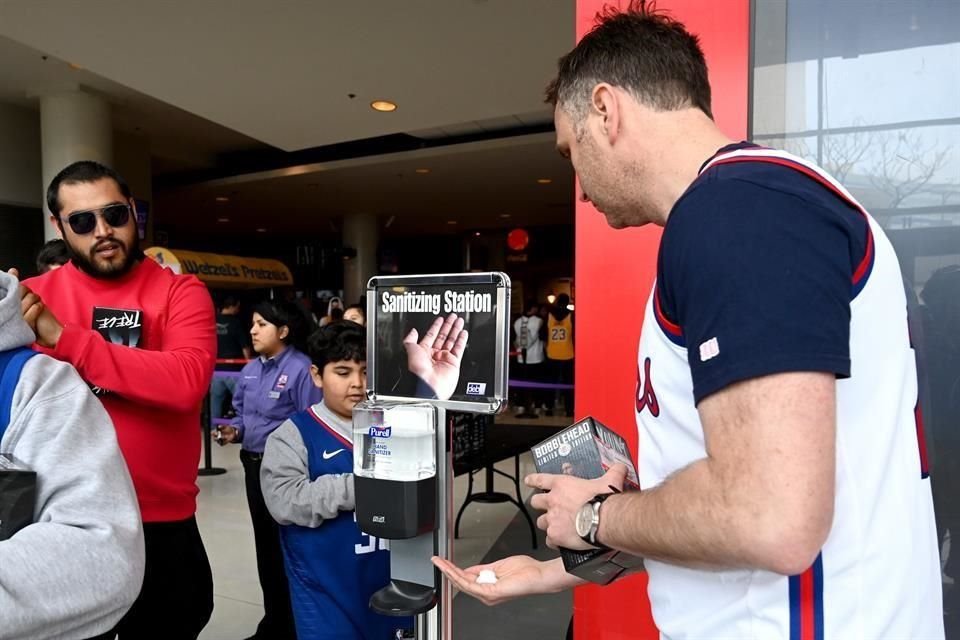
[144,339]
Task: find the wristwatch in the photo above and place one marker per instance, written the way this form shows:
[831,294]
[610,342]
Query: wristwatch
[588,521]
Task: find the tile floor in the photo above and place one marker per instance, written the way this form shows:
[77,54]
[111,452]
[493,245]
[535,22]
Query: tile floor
[225,525]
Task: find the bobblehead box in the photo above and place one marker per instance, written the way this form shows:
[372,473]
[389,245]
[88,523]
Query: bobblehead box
[587,449]
[18,495]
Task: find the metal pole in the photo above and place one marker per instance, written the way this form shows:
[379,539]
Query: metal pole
[445,626]
[207,469]
[437,624]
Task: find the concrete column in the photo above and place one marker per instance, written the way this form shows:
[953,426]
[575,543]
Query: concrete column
[131,159]
[74,125]
[361,233]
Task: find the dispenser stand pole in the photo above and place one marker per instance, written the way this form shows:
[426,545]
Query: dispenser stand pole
[437,624]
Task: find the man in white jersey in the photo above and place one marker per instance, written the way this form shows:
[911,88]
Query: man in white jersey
[785,492]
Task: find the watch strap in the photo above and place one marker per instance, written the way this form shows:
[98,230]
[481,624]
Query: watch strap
[591,537]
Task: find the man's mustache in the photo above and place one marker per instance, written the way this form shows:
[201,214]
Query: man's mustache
[106,244]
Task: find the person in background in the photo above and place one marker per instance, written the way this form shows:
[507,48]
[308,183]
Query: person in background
[527,329]
[78,568]
[560,347]
[335,304]
[939,343]
[232,344]
[306,307]
[333,567]
[144,339]
[52,255]
[356,313]
[272,387]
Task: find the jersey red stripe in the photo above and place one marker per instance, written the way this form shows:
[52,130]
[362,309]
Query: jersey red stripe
[806,605]
[921,441]
[867,259]
[664,321]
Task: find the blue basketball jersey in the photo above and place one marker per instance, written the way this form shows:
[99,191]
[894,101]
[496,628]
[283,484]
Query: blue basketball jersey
[334,569]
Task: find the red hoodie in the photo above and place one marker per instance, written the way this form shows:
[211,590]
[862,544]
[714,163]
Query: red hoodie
[152,388]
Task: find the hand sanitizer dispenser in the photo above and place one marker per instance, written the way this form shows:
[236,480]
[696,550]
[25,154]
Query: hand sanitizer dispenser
[395,466]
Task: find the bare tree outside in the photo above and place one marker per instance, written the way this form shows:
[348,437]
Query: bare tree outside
[903,165]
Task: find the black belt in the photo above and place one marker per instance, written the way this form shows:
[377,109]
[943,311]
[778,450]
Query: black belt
[250,456]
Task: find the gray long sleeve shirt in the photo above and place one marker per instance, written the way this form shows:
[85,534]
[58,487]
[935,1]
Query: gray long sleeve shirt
[291,497]
[79,567]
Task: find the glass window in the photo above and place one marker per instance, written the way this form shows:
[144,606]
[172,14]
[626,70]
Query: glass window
[870,91]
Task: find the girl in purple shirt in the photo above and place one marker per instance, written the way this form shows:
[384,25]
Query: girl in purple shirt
[272,387]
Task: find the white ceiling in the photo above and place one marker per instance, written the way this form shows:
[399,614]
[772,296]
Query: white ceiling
[280,72]
[199,79]
[177,138]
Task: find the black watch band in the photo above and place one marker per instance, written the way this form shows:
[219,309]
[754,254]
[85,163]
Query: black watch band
[591,538]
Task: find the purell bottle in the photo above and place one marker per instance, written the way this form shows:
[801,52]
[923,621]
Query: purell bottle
[395,465]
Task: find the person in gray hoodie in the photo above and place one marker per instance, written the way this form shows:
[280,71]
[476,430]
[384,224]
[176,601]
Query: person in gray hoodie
[79,567]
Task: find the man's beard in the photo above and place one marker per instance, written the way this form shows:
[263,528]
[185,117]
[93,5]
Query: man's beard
[88,264]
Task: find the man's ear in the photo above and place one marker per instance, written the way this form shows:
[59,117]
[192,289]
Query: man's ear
[317,376]
[56,224]
[605,101]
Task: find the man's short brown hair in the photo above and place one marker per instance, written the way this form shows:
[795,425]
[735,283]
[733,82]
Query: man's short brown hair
[641,50]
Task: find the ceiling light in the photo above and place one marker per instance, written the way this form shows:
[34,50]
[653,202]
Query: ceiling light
[223,199]
[477,234]
[223,219]
[421,170]
[544,180]
[74,66]
[383,105]
[551,298]
[451,222]
[261,230]
[504,215]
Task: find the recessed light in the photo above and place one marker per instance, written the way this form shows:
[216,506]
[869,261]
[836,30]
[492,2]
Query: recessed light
[223,219]
[544,180]
[223,199]
[477,234]
[383,105]
[261,230]
[504,215]
[451,222]
[421,170]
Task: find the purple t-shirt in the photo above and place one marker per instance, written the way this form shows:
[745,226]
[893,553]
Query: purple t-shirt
[270,391]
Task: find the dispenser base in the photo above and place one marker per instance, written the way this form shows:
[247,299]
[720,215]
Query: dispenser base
[402,598]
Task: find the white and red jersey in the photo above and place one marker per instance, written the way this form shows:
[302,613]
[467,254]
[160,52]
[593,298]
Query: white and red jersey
[748,312]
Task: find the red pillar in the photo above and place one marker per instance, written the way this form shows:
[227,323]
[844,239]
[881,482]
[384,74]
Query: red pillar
[614,273]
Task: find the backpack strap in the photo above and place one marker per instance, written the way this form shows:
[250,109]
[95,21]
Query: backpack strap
[11,364]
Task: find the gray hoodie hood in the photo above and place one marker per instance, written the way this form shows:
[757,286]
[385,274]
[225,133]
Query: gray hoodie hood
[14,331]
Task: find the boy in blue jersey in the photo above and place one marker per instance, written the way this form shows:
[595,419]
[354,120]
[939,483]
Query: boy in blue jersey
[307,480]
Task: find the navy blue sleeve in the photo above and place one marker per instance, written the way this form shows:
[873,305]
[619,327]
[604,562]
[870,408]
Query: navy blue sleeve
[759,281]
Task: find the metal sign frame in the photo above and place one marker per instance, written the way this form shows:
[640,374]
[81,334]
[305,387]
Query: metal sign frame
[490,403]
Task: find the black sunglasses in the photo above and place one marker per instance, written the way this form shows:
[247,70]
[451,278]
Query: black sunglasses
[83,222]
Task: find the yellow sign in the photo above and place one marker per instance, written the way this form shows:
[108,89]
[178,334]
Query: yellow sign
[223,271]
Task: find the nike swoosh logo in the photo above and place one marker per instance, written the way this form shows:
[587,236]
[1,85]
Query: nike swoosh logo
[327,454]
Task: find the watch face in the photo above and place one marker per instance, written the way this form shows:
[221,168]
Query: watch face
[584,520]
